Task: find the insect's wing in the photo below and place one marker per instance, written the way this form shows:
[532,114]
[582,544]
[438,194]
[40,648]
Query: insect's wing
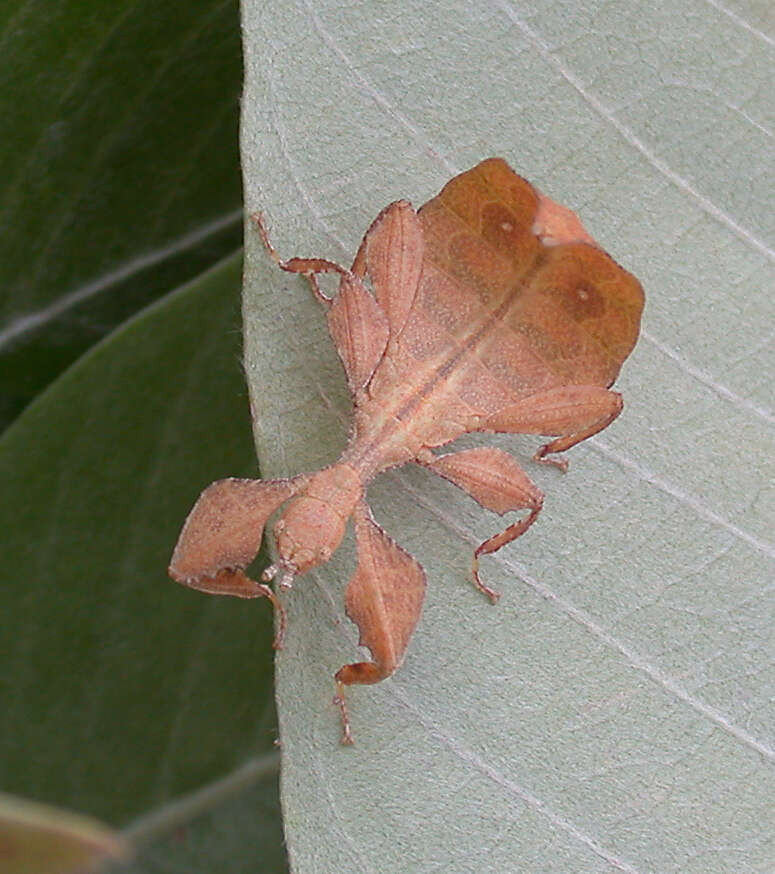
[359,329]
[514,278]
[391,255]
[579,314]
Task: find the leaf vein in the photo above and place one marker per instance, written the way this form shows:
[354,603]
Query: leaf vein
[630,137]
[633,657]
[514,788]
[31,321]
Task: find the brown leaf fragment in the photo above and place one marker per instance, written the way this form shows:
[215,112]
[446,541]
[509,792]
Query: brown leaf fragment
[359,329]
[37,838]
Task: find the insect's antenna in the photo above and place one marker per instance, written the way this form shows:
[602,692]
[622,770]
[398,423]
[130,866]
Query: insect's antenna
[270,573]
[286,580]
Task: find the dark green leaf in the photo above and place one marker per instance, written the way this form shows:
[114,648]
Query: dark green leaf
[120,169]
[120,689]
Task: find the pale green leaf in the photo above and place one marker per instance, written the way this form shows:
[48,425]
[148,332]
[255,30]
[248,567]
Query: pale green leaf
[614,711]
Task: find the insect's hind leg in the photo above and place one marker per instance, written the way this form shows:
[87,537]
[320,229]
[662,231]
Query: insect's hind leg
[495,480]
[493,544]
[307,267]
[360,672]
[603,412]
[570,413]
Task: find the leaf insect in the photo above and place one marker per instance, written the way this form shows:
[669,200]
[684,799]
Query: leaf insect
[492,310]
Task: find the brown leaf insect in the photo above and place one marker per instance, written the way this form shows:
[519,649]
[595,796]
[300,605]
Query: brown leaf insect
[490,309]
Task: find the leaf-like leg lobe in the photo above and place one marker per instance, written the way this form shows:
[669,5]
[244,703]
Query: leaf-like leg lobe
[359,329]
[494,480]
[384,599]
[392,255]
[222,535]
[572,412]
[225,527]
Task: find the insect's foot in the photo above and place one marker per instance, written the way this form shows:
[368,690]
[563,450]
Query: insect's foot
[270,573]
[558,461]
[286,580]
[347,735]
[492,594]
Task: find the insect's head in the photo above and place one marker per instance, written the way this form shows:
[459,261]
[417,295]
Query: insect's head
[306,534]
[314,522]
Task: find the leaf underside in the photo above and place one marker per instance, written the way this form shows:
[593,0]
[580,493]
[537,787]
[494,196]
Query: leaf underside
[611,712]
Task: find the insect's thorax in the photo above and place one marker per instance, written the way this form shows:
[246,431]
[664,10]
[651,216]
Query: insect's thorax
[430,387]
[402,416]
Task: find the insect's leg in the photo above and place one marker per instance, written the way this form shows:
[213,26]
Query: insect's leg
[391,253]
[571,413]
[239,585]
[360,331]
[358,325]
[307,267]
[222,535]
[384,598]
[495,480]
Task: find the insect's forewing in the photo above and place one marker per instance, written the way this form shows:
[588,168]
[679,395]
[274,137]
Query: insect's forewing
[517,313]
[359,329]
[579,313]
[393,252]
[360,325]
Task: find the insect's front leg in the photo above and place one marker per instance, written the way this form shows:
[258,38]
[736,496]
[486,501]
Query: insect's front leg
[571,413]
[495,480]
[307,267]
[384,598]
[222,535]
